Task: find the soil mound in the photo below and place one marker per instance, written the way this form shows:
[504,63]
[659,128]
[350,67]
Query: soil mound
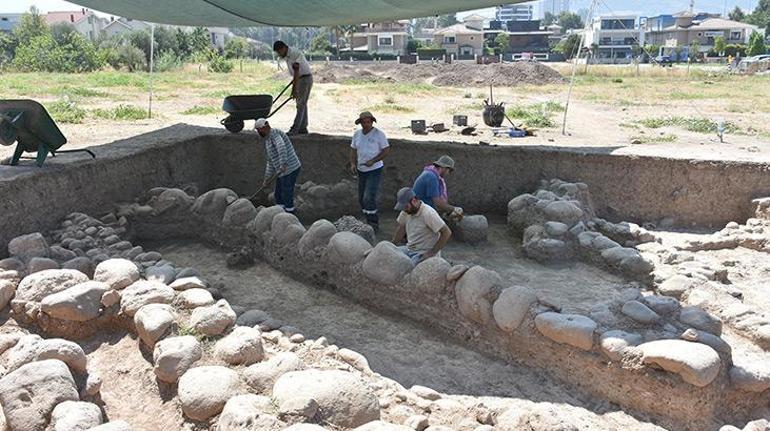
[447,75]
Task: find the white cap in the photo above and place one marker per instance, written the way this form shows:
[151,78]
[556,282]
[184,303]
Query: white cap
[260,123]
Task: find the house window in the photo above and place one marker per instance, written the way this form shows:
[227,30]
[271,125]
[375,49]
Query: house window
[735,35]
[449,39]
[385,41]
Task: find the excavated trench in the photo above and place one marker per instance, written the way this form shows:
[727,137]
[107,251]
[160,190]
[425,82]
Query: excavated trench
[395,345]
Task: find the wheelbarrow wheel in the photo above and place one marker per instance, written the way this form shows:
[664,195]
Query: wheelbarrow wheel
[234,126]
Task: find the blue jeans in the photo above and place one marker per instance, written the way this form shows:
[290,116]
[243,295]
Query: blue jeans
[284,190]
[368,193]
[414,256]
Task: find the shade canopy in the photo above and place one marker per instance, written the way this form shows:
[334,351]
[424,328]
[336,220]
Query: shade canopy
[245,13]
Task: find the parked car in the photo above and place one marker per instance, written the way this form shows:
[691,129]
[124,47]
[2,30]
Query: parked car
[761,57]
[663,60]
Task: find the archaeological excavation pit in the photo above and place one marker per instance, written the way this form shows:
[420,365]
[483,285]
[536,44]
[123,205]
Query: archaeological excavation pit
[596,292]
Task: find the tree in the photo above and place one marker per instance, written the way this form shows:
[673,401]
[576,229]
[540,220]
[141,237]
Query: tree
[756,44]
[720,45]
[737,14]
[200,40]
[341,32]
[61,31]
[568,46]
[694,51]
[320,44]
[183,43]
[31,25]
[7,46]
[502,42]
[549,19]
[237,47]
[761,16]
[73,55]
[569,20]
[412,44]
[447,20]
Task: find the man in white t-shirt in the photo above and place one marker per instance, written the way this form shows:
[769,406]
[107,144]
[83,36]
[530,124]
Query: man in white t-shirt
[302,82]
[367,150]
[425,230]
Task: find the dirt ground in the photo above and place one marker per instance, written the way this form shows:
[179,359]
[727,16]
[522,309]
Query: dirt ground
[607,104]
[397,348]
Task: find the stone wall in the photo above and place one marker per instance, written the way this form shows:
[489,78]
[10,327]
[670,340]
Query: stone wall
[631,351]
[635,189]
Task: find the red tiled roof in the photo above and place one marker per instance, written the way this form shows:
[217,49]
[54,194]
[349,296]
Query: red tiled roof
[66,16]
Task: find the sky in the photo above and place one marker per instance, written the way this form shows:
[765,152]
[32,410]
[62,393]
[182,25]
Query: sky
[644,7]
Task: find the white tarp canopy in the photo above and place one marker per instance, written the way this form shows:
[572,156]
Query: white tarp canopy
[305,13]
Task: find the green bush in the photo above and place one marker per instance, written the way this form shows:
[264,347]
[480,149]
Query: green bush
[167,61]
[537,114]
[219,64]
[121,112]
[66,111]
[202,110]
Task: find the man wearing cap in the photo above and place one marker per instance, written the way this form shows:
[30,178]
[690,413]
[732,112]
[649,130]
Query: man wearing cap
[367,150]
[425,231]
[430,187]
[301,83]
[281,164]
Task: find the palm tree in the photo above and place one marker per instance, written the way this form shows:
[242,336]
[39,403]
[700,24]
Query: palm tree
[344,31]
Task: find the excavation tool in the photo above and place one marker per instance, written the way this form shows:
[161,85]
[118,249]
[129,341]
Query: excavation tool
[27,123]
[250,107]
[263,186]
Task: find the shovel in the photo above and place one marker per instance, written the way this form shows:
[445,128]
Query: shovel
[262,188]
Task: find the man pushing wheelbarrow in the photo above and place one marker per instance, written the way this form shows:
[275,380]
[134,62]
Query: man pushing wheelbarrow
[252,107]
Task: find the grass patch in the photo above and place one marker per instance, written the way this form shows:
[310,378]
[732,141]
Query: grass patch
[692,124]
[182,330]
[201,110]
[83,92]
[121,112]
[538,115]
[66,111]
[389,108]
[659,139]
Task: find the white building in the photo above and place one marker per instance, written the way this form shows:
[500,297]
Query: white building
[85,21]
[515,12]
[614,38]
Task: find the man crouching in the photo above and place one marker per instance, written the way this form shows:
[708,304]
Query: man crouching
[426,232]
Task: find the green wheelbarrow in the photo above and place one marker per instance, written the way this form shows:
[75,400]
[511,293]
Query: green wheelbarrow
[27,123]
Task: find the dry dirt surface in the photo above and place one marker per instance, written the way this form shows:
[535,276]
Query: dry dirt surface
[445,75]
[401,350]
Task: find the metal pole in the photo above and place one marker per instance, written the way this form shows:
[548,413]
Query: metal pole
[152,66]
[589,17]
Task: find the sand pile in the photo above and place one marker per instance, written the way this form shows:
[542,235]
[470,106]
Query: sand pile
[449,75]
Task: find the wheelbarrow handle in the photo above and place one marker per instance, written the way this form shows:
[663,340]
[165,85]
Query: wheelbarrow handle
[278,97]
